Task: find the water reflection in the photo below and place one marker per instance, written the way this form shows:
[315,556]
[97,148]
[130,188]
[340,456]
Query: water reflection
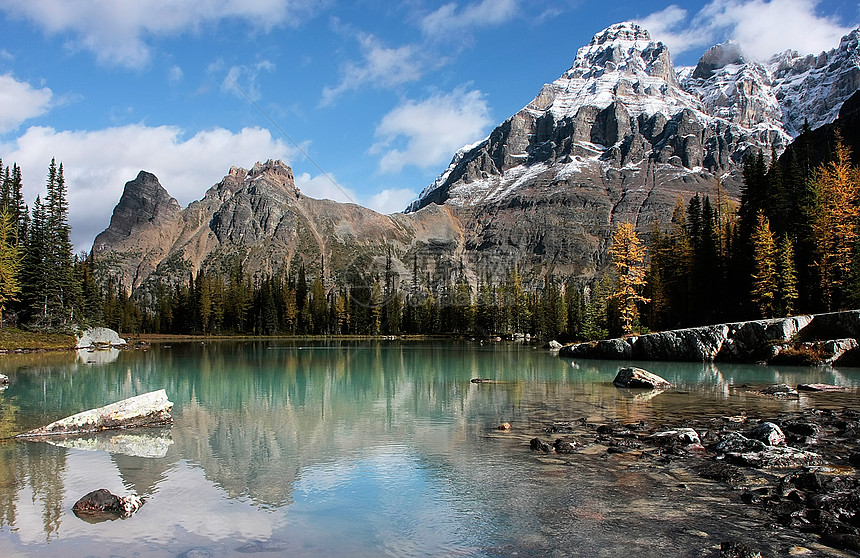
[98,356]
[383,447]
[143,442]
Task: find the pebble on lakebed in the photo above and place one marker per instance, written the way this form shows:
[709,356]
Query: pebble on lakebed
[797,467]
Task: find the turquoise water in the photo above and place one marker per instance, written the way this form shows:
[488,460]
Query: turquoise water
[363,449]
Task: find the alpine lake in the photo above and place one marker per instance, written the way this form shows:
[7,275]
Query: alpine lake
[370,448]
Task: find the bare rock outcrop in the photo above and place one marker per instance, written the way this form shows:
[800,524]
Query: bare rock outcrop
[811,339]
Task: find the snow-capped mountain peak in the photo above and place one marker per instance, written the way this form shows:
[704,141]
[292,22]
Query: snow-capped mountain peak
[622,115]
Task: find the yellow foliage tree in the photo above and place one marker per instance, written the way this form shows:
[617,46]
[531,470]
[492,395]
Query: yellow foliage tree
[765,276]
[10,262]
[628,255]
[835,222]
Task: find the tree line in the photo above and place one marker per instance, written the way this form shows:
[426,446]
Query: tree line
[789,246]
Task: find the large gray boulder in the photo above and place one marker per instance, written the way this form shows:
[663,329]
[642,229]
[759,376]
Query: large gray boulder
[694,344]
[99,337]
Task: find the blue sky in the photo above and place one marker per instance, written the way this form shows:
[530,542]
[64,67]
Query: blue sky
[374,96]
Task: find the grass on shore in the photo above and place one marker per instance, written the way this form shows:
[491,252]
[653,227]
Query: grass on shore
[12,338]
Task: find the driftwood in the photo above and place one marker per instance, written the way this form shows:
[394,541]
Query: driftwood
[149,409]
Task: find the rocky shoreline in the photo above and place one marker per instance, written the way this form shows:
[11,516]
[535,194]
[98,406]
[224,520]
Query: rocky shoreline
[797,468]
[830,339]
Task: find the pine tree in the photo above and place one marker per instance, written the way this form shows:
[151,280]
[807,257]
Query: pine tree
[628,256]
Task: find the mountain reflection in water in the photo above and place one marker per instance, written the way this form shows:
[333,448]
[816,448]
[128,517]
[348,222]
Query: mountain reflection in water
[359,449]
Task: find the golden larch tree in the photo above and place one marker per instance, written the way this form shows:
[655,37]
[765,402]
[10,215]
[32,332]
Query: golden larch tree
[10,262]
[835,222]
[628,255]
[765,276]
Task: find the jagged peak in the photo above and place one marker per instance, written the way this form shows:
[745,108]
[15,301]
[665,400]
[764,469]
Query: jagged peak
[717,57]
[625,48]
[271,167]
[627,31]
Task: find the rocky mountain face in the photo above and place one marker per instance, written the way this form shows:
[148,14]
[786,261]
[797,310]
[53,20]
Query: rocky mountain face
[618,137]
[259,218]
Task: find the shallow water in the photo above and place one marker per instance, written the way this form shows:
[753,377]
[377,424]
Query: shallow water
[368,449]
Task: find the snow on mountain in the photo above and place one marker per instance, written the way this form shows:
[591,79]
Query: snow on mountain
[620,64]
[813,87]
[622,104]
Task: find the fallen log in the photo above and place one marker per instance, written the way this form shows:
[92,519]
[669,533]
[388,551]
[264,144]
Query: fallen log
[148,409]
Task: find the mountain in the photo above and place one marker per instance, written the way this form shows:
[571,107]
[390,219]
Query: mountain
[260,218]
[619,136]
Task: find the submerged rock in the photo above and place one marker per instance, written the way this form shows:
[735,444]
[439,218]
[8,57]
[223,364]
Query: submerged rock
[734,549]
[633,377]
[149,409]
[685,436]
[539,445]
[820,387]
[780,390]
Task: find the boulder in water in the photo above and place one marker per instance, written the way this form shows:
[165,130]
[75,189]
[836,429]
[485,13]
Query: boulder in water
[633,377]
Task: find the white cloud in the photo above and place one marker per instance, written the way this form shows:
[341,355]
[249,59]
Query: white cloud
[19,101]
[327,187]
[245,77]
[669,26]
[426,133]
[761,27]
[174,74]
[381,67]
[98,163]
[448,19]
[391,200]
[324,187]
[118,31]
[765,28]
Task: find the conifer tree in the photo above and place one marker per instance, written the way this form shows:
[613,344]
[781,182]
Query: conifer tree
[628,256]
[786,277]
[10,262]
[765,276]
[835,223]
[34,275]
